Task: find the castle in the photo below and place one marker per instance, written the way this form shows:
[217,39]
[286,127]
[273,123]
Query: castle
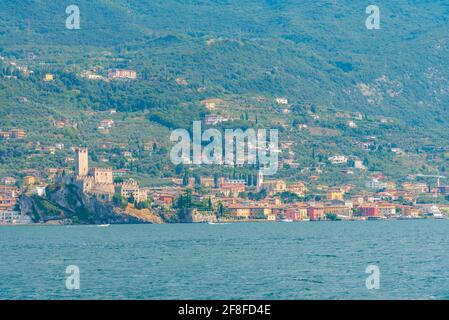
[100,181]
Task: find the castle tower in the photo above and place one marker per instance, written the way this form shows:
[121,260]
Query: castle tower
[81,162]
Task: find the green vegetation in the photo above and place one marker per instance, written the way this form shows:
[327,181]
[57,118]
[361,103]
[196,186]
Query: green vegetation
[331,216]
[119,200]
[391,83]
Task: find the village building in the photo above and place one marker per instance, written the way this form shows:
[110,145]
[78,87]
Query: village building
[387,209]
[13,217]
[358,164]
[376,184]
[341,211]
[296,212]
[443,189]
[212,104]
[416,188]
[274,186]
[119,173]
[48,77]
[338,159]
[106,123]
[17,133]
[29,180]
[7,202]
[8,181]
[335,194]
[410,212]
[229,191]
[315,212]
[208,182]
[297,188]
[4,135]
[369,211]
[130,189]
[214,119]
[281,101]
[122,74]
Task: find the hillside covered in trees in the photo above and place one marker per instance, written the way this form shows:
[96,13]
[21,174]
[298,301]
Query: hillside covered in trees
[351,91]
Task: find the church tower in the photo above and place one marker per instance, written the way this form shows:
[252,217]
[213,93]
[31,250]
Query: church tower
[81,162]
[259,180]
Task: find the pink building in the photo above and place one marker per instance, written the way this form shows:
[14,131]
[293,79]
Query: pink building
[369,211]
[315,212]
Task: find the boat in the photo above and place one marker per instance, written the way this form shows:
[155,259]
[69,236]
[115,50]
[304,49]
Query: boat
[103,225]
[217,223]
[286,220]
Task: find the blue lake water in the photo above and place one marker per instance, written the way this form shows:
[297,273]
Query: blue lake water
[237,261]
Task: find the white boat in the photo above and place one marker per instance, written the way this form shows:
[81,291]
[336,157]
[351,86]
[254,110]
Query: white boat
[218,223]
[103,225]
[286,220]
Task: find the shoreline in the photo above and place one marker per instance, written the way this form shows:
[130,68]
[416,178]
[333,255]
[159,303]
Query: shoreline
[227,222]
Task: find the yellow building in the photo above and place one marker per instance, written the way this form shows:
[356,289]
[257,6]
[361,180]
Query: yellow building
[275,186]
[261,211]
[102,175]
[335,194]
[48,77]
[29,180]
[298,188]
[239,210]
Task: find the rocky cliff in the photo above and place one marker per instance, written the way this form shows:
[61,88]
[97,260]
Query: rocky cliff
[66,203]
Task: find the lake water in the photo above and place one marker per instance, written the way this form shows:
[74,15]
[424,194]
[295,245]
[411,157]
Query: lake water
[237,261]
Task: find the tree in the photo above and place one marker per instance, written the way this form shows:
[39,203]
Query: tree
[249,180]
[119,200]
[118,180]
[197,180]
[188,199]
[216,180]
[289,197]
[142,205]
[331,216]
[221,211]
[209,204]
[181,202]
[185,179]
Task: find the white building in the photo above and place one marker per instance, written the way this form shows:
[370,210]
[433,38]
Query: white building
[376,184]
[8,181]
[352,124]
[213,119]
[358,164]
[282,101]
[59,146]
[338,159]
[13,217]
[40,191]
